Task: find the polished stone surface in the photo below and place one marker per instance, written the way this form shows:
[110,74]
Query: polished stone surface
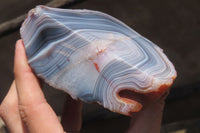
[173,25]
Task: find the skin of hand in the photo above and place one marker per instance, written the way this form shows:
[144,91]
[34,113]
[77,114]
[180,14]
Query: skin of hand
[25,110]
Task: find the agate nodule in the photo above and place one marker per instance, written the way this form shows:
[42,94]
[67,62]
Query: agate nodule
[95,58]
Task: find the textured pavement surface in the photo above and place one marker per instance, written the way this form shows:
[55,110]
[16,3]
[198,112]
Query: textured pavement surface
[172,25]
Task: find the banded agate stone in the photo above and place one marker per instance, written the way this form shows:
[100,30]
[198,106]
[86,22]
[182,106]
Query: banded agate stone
[95,58]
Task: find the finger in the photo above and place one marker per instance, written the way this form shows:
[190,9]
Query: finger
[9,111]
[25,78]
[147,120]
[71,118]
[35,112]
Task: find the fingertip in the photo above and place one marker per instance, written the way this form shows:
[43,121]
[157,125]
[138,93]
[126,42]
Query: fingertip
[19,41]
[20,59]
[19,45]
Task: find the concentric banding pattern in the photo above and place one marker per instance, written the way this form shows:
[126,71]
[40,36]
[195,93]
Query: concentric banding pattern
[93,56]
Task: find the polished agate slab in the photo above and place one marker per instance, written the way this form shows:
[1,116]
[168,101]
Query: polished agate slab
[95,58]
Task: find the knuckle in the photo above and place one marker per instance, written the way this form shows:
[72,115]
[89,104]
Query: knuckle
[23,112]
[26,110]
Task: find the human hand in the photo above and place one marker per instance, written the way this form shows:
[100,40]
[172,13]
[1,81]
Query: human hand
[149,118]
[24,109]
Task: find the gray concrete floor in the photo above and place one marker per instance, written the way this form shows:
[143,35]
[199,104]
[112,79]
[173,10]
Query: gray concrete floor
[172,25]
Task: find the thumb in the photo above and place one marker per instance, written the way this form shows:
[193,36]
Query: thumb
[35,112]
